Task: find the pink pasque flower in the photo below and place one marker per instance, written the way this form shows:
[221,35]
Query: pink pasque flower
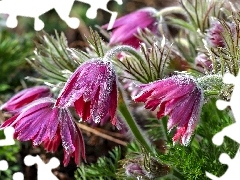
[24,97]
[214,35]
[92,89]
[125,28]
[180,98]
[45,124]
[203,62]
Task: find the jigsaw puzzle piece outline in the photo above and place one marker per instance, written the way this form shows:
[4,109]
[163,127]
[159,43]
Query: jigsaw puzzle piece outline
[92,11]
[228,132]
[235,98]
[231,131]
[63,10]
[9,140]
[43,170]
[18,176]
[3,165]
[33,9]
[36,8]
[224,158]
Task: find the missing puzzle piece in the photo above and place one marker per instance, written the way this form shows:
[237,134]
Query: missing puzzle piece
[231,131]
[3,165]
[92,11]
[233,167]
[44,170]
[8,141]
[36,8]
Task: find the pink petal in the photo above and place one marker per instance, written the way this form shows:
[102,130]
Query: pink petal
[83,108]
[66,121]
[51,145]
[9,122]
[113,104]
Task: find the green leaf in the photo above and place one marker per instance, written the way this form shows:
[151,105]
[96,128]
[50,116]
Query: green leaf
[105,168]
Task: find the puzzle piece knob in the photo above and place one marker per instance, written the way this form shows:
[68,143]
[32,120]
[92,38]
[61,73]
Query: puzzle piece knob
[229,78]
[54,162]
[12,22]
[91,13]
[218,139]
[29,160]
[120,2]
[38,24]
[73,22]
[221,105]
[18,176]
[3,165]
[224,158]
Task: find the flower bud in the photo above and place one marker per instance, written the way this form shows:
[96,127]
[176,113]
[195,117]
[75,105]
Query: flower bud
[203,62]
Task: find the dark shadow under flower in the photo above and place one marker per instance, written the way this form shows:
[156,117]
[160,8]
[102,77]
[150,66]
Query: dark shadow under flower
[45,124]
[179,97]
[92,89]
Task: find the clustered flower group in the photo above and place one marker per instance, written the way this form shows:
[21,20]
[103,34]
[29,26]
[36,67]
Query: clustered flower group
[37,116]
[92,90]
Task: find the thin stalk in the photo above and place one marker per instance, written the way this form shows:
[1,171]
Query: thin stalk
[170,10]
[132,124]
[177,174]
[123,48]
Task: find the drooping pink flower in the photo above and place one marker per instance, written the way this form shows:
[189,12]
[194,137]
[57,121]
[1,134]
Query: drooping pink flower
[45,124]
[25,97]
[125,28]
[178,97]
[92,89]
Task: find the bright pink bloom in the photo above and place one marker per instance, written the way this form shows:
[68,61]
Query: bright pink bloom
[45,124]
[125,28]
[25,97]
[92,89]
[180,98]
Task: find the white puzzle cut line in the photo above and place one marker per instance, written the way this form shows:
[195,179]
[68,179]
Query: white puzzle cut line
[36,8]
[44,170]
[232,131]
[8,141]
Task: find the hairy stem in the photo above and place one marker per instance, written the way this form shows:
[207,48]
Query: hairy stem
[170,10]
[130,121]
[123,48]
